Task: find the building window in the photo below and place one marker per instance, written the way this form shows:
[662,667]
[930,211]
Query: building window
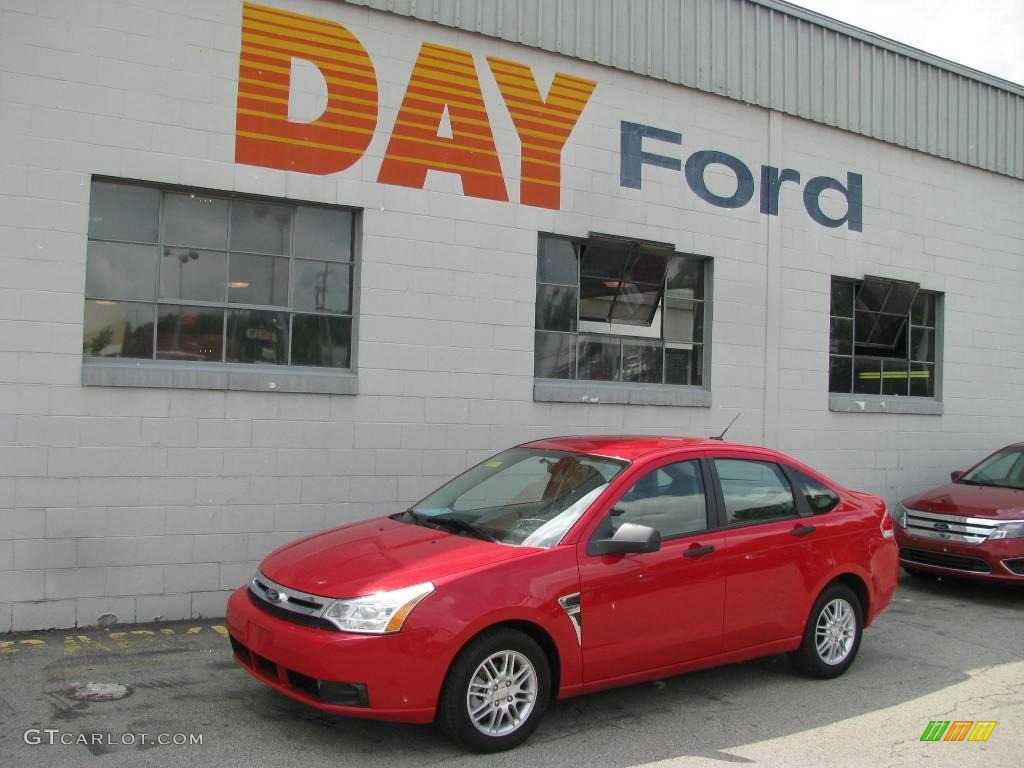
[203,277]
[614,309]
[882,338]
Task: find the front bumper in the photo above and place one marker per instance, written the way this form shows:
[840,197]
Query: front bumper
[988,561]
[385,677]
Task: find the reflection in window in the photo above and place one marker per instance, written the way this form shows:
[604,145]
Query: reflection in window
[199,277]
[613,309]
[882,338]
[669,499]
[754,491]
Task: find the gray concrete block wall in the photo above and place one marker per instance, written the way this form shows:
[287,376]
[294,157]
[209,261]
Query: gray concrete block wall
[147,503]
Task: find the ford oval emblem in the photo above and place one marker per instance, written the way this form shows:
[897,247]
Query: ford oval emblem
[273,595]
[941,526]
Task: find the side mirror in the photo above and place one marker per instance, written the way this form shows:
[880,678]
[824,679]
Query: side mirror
[956,474]
[630,537]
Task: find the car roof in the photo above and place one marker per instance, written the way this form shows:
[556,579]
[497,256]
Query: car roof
[631,447]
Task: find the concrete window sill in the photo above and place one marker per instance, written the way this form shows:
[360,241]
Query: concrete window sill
[245,378]
[620,393]
[921,406]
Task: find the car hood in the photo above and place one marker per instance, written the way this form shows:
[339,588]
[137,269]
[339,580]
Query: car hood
[970,501]
[378,555]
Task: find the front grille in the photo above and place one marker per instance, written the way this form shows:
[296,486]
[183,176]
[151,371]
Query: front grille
[325,691]
[945,560]
[296,618]
[952,528]
[1015,566]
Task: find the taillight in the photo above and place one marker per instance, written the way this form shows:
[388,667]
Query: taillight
[886,525]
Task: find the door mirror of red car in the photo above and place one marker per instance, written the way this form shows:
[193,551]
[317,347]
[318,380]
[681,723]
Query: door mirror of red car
[956,474]
[630,537]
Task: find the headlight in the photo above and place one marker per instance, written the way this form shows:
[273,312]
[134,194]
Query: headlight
[378,614]
[1014,530]
[899,515]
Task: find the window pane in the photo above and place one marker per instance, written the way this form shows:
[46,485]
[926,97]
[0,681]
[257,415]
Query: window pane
[321,340]
[901,296]
[603,257]
[685,277]
[867,376]
[922,345]
[636,304]
[922,380]
[123,212]
[840,374]
[842,298]
[556,308]
[258,279]
[120,271]
[641,362]
[556,262]
[894,377]
[683,366]
[872,293]
[648,265]
[257,336]
[196,220]
[322,233]
[754,491]
[554,355]
[864,325]
[819,496]
[841,336]
[186,273]
[118,329]
[669,499]
[599,359]
[322,287]
[684,320]
[189,333]
[596,297]
[923,311]
[888,333]
[260,227]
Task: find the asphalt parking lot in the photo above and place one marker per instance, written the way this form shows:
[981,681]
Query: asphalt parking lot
[943,651]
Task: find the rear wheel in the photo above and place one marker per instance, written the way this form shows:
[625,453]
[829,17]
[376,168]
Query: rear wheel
[832,636]
[496,691]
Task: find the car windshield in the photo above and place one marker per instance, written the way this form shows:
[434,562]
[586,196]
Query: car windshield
[525,496]
[1004,469]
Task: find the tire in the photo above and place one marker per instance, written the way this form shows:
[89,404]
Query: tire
[516,712]
[837,606]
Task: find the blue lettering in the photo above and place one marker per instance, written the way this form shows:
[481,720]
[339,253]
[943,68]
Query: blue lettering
[698,163]
[853,192]
[633,158]
[771,184]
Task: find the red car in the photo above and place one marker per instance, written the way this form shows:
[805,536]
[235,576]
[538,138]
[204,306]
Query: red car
[973,527]
[566,566]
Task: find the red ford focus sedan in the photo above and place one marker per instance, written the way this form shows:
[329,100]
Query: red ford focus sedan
[566,566]
[972,527]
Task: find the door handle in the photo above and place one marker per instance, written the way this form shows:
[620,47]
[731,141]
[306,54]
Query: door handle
[803,530]
[698,551]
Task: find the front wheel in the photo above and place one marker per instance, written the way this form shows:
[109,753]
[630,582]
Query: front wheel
[832,636]
[496,691]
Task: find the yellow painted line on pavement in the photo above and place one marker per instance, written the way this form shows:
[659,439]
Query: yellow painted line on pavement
[110,642]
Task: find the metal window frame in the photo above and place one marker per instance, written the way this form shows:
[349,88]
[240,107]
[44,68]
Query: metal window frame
[226,306]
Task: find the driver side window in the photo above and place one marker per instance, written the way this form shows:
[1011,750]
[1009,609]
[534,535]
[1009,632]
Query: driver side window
[669,499]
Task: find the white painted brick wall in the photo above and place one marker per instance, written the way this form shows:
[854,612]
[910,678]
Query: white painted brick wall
[156,503]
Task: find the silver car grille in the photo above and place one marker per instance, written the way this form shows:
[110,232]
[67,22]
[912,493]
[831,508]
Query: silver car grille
[952,528]
[286,598]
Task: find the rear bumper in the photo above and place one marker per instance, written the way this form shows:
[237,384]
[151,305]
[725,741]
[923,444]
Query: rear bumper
[989,561]
[384,677]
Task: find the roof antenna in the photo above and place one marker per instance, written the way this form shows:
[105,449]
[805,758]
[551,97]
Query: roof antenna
[722,436]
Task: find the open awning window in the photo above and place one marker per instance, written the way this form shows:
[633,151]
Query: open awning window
[621,280]
[881,309]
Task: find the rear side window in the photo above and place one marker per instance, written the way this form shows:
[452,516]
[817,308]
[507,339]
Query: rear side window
[754,491]
[820,497]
